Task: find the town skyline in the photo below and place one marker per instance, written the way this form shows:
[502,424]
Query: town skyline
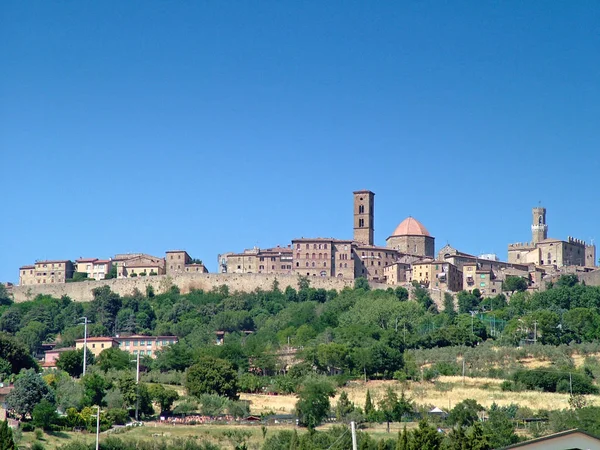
[231,126]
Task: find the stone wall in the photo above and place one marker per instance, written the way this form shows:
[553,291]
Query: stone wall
[82,291]
[248,282]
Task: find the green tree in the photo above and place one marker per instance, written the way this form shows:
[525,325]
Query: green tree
[449,306]
[402,441]
[69,394]
[361,283]
[465,413]
[6,437]
[5,298]
[105,306]
[425,437]
[344,407]
[313,402]
[44,415]
[113,358]
[401,293]
[32,335]
[16,353]
[514,283]
[369,407]
[95,387]
[163,397]
[29,389]
[212,376]
[499,428]
[389,406]
[71,361]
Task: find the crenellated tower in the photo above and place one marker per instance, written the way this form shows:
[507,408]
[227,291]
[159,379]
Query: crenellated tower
[539,227]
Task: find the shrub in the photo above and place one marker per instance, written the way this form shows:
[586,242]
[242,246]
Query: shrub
[548,381]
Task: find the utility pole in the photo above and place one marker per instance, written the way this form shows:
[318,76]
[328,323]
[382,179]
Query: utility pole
[137,388]
[98,428]
[463,371]
[85,322]
[571,384]
[353,428]
[535,332]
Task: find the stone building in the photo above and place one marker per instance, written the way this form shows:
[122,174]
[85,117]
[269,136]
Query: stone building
[323,257]
[370,261]
[435,274]
[275,260]
[178,261]
[544,251]
[46,272]
[412,238]
[96,269]
[138,264]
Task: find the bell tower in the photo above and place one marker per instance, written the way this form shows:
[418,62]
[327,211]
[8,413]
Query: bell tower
[539,227]
[364,204]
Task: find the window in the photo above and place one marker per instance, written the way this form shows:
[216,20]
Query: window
[345,265]
[341,265]
[482,276]
[93,345]
[314,256]
[149,352]
[482,284]
[324,246]
[273,267]
[306,263]
[307,245]
[135,352]
[313,264]
[314,246]
[297,246]
[324,264]
[361,223]
[361,209]
[297,264]
[102,345]
[142,343]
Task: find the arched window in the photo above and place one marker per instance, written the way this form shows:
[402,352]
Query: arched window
[306,263]
[324,264]
[549,257]
[540,220]
[313,264]
[361,223]
[345,265]
[361,209]
[320,255]
[341,265]
[307,256]
[314,256]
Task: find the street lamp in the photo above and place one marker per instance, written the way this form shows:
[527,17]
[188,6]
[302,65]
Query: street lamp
[85,324]
[137,386]
[472,316]
[97,428]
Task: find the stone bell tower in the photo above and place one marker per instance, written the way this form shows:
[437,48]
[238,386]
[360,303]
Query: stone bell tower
[539,227]
[364,205]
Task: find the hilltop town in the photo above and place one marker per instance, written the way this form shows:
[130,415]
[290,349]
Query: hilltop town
[408,257]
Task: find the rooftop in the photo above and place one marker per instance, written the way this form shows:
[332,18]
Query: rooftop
[411,227]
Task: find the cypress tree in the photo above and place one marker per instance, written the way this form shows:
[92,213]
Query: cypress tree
[6,437]
[369,408]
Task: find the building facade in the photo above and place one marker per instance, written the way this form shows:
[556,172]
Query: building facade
[435,274]
[179,261]
[138,264]
[46,272]
[96,269]
[323,257]
[544,251]
[276,260]
[146,345]
[97,344]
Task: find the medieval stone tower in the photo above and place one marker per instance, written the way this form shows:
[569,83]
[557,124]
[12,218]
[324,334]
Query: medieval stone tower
[364,205]
[539,227]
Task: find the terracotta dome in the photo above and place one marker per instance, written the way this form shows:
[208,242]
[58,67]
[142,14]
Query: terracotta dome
[410,227]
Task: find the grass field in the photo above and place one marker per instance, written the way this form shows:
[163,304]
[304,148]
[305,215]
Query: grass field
[444,393]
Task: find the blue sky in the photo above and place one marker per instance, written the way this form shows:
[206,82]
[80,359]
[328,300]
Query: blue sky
[212,126]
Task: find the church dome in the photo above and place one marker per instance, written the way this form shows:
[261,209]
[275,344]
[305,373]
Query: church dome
[410,227]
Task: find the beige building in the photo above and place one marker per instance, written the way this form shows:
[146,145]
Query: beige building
[483,279]
[276,260]
[138,264]
[370,261]
[178,261]
[323,257]
[397,273]
[96,269]
[412,238]
[97,344]
[146,345]
[435,274]
[544,251]
[46,272]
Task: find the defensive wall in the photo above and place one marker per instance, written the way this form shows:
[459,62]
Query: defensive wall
[248,282]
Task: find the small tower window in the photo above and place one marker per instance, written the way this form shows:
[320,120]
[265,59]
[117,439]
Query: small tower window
[361,209]
[361,222]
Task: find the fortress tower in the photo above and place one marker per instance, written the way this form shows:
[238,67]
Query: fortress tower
[539,227]
[364,206]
